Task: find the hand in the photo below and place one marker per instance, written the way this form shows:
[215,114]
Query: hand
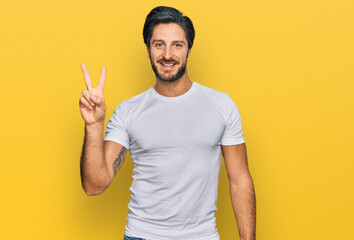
[92,105]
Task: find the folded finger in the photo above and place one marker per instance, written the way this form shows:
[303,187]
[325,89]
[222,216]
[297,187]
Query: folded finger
[84,102]
[87,96]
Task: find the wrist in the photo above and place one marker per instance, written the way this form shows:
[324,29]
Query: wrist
[94,128]
[95,125]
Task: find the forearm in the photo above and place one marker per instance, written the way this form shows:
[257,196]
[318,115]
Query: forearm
[244,205]
[94,172]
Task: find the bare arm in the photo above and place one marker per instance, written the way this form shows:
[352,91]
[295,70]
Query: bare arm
[241,190]
[100,160]
[94,172]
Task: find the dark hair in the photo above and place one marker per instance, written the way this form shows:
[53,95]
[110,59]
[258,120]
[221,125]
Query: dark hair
[163,14]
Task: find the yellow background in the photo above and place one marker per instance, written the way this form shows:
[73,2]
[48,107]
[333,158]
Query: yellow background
[288,65]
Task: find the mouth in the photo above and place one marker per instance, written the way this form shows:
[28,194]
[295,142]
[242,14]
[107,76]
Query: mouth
[167,65]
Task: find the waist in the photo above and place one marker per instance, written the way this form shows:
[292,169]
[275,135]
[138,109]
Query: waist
[174,228]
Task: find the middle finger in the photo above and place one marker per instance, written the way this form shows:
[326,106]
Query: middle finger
[87,96]
[86,76]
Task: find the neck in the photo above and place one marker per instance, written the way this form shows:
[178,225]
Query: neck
[175,88]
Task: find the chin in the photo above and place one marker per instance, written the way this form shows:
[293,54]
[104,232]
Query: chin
[170,79]
[168,76]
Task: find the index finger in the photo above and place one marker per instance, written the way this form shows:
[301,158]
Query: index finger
[102,78]
[86,76]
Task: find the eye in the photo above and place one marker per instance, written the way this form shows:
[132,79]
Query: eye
[158,44]
[178,45]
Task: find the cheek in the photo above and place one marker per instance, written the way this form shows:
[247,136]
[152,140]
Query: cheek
[155,54]
[182,56]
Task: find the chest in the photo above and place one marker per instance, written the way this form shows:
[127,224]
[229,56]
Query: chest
[177,126]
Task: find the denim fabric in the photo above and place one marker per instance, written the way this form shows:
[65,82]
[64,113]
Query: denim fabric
[131,238]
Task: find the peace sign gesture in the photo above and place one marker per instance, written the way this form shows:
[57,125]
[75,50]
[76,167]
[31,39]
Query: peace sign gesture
[92,105]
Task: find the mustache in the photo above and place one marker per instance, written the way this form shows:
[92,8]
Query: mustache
[164,60]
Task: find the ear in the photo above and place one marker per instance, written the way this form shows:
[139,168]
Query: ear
[189,53]
[148,52]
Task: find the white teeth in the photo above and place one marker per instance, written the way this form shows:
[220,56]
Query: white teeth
[168,65]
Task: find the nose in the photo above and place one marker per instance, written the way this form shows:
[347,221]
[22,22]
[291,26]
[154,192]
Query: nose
[168,53]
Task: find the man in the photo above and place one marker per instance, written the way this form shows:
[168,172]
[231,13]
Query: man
[176,132]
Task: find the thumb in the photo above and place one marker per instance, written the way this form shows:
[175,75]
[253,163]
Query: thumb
[98,101]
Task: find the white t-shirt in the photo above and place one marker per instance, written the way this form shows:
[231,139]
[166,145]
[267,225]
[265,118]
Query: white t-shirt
[175,144]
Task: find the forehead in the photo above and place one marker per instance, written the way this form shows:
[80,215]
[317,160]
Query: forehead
[168,32]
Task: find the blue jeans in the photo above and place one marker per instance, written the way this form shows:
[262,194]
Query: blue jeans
[131,238]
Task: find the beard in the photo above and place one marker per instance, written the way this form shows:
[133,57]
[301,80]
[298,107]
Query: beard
[180,72]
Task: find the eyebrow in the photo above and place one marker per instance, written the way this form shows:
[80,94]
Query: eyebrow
[160,40]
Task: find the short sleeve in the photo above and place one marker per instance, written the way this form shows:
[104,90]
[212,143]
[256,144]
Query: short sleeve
[116,129]
[233,133]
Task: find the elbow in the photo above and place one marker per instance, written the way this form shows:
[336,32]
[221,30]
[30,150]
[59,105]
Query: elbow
[93,190]
[96,186]
[245,180]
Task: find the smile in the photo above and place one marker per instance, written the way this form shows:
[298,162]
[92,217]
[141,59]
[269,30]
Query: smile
[168,65]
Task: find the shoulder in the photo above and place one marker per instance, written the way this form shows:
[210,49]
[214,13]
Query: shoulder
[214,95]
[222,100]
[132,103]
